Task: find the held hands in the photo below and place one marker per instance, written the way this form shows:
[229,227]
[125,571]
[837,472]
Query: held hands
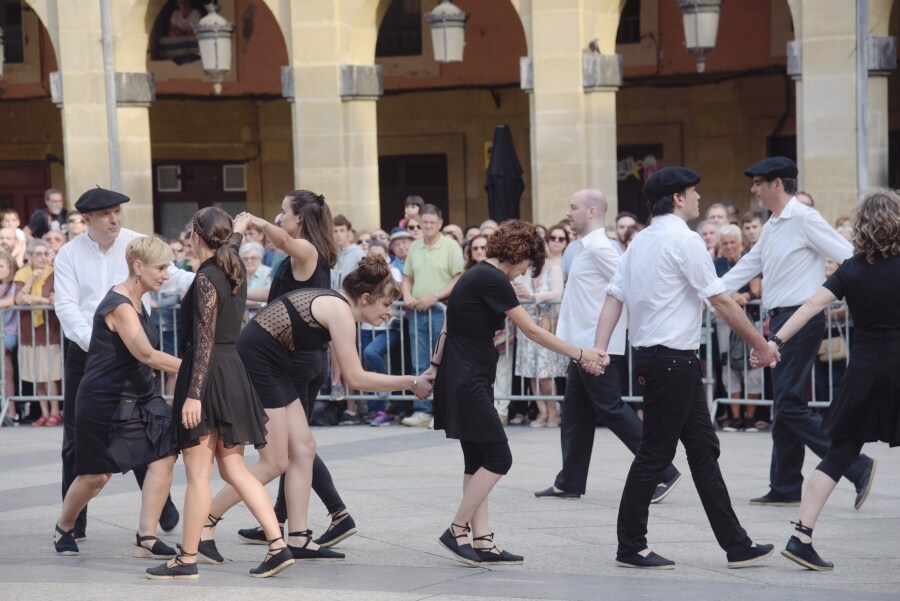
[241,222]
[768,356]
[424,384]
[594,361]
[190,413]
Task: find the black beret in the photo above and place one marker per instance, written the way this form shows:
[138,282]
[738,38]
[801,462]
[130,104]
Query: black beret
[773,167]
[668,181]
[97,199]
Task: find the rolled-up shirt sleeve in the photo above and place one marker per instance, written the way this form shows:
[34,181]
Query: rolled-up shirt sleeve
[179,281]
[614,288]
[748,267]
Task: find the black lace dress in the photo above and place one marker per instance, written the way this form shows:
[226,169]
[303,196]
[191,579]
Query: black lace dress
[121,422]
[211,369]
[269,344]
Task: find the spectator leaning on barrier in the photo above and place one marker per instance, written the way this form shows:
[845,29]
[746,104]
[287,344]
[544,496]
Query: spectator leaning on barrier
[8,268]
[433,266]
[791,255]
[40,357]
[86,268]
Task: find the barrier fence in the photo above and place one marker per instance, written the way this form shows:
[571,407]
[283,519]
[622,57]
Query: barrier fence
[391,348]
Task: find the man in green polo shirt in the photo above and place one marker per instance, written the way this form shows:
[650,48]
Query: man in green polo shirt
[433,265]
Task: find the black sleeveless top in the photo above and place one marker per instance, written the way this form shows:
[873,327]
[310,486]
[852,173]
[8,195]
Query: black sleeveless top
[283,280]
[289,320]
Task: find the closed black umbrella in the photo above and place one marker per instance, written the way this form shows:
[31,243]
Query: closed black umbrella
[504,183]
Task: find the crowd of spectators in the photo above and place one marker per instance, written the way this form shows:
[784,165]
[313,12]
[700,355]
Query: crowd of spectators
[427,255]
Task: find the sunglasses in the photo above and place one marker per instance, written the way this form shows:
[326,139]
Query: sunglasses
[557,238]
[413,227]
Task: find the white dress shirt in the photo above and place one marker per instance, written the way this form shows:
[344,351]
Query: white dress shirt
[663,278]
[84,274]
[790,254]
[584,294]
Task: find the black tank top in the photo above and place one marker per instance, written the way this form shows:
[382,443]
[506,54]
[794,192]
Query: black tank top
[290,321]
[283,281]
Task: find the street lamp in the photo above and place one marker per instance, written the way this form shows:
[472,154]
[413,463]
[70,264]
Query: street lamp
[214,38]
[701,24]
[448,32]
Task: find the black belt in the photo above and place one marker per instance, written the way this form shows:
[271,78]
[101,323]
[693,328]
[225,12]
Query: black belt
[659,348]
[779,310]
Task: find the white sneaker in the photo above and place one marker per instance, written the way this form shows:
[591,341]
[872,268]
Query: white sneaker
[419,419]
[337,391]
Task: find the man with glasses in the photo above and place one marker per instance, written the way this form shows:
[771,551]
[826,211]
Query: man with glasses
[433,266]
[85,269]
[75,225]
[51,217]
[589,398]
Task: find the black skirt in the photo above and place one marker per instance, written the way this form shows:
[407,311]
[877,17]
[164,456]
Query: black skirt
[464,391]
[867,404]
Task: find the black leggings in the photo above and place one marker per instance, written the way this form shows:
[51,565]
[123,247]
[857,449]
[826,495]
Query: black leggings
[495,457]
[308,371]
[841,453]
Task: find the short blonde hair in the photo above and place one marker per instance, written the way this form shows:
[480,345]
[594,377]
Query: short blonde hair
[150,251]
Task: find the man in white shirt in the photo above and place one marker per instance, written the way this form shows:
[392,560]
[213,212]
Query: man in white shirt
[791,254]
[588,397]
[85,269]
[664,277]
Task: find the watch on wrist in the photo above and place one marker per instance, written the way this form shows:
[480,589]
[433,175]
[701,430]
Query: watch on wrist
[778,341]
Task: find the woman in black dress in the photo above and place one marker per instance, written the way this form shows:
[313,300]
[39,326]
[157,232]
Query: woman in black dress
[121,421]
[304,233]
[464,406]
[216,409]
[307,320]
[867,405]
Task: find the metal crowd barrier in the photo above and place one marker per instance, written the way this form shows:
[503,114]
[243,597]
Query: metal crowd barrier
[398,358]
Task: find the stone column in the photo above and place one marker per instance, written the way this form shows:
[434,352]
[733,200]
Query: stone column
[134,93]
[78,88]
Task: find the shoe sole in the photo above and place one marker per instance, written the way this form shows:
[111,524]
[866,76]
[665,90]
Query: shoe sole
[276,570]
[776,503]
[168,530]
[208,559]
[668,490]
[802,562]
[144,553]
[622,564]
[749,562]
[252,541]
[865,496]
[566,498]
[67,553]
[173,577]
[341,538]
[459,558]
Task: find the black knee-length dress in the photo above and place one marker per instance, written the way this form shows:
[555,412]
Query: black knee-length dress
[867,404]
[211,369]
[464,387]
[121,422]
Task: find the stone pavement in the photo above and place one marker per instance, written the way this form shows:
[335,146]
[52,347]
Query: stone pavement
[402,486]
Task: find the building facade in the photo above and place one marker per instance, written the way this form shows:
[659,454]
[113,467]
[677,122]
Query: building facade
[343,97]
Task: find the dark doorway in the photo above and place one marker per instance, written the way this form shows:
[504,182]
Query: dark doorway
[22,186]
[402,175]
[181,188]
[636,162]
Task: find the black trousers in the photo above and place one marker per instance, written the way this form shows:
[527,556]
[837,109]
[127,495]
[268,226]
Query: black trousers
[588,398]
[73,372]
[794,424]
[308,372]
[675,409]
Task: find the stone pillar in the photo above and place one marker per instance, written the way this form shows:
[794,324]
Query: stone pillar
[882,60]
[134,93]
[79,91]
[826,149]
[573,109]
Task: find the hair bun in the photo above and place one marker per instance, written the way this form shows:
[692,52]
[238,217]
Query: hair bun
[320,199]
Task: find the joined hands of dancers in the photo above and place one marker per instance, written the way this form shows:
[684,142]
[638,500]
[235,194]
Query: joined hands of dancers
[770,358]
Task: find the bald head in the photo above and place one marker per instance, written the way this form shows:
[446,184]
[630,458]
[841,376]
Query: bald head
[587,211]
[7,238]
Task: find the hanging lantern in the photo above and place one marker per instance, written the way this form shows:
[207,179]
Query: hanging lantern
[448,32]
[214,38]
[701,25]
